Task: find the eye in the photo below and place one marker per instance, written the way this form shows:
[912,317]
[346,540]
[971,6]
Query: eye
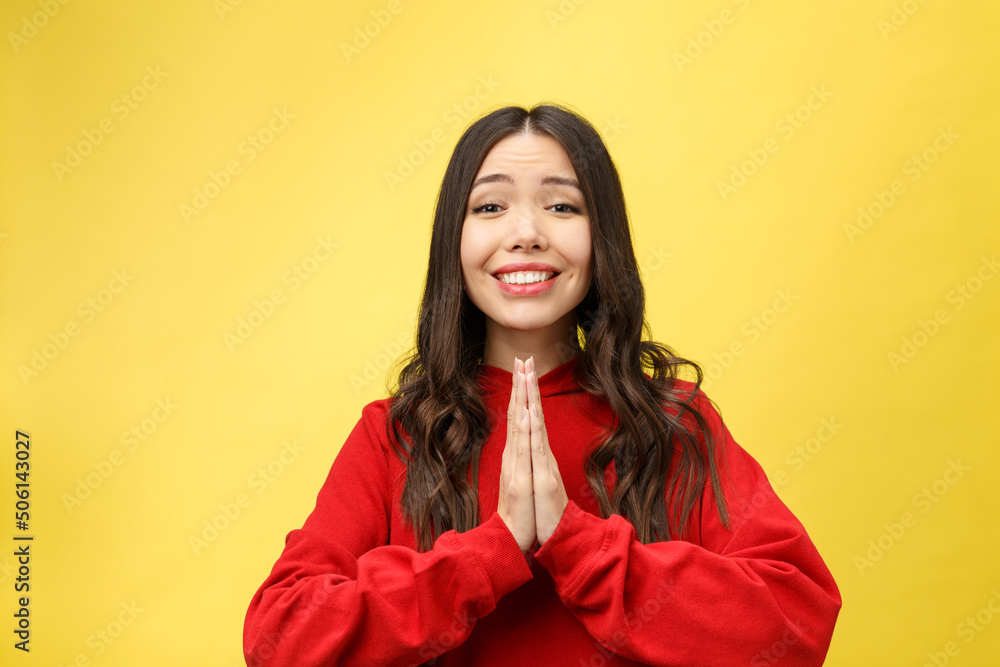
[488,207]
[566,208]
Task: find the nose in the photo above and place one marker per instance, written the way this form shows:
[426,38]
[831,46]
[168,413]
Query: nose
[525,232]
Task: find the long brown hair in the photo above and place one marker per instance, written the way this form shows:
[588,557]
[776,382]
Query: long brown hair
[660,440]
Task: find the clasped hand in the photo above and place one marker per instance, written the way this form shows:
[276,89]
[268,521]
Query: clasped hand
[532,496]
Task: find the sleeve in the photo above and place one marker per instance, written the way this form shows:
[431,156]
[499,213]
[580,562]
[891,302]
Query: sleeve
[754,594]
[341,594]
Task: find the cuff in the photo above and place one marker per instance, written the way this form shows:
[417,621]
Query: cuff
[577,543]
[498,555]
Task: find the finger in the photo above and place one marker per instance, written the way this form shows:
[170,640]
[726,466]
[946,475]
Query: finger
[512,418]
[511,414]
[543,462]
[524,428]
[522,392]
[517,401]
[539,436]
[534,395]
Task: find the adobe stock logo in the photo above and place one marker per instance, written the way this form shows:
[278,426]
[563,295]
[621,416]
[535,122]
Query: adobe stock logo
[121,107]
[99,641]
[900,16]
[456,116]
[223,7]
[923,500]
[37,21]
[704,39]
[59,340]
[968,629]
[565,9]
[787,126]
[230,511]
[752,329]
[801,454]
[927,329]
[102,470]
[914,168]
[374,367]
[295,276]
[363,35]
[248,149]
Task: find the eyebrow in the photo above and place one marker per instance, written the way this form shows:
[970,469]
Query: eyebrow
[505,178]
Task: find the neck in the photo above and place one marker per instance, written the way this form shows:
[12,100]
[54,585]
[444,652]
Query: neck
[551,347]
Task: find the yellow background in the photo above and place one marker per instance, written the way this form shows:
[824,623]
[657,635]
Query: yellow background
[893,75]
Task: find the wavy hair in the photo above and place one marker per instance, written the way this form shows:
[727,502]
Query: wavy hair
[661,446]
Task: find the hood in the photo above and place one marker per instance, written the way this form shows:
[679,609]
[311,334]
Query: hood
[496,382]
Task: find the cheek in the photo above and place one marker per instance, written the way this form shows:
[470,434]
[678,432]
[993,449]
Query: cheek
[579,251]
[474,248]
[471,254]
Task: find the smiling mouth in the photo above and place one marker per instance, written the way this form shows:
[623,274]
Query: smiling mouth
[525,277]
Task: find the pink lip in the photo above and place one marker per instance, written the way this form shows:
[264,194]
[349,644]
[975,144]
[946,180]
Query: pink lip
[525,266]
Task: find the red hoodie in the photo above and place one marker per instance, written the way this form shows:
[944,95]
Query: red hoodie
[350,588]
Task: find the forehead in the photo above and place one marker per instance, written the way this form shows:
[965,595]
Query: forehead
[538,152]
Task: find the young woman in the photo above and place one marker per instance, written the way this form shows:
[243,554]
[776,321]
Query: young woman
[529,495]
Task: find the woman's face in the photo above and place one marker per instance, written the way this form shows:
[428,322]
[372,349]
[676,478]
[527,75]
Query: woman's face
[526,244]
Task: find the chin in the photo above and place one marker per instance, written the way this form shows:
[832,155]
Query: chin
[525,324]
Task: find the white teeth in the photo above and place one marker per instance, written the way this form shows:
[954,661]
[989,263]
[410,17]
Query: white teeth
[525,277]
